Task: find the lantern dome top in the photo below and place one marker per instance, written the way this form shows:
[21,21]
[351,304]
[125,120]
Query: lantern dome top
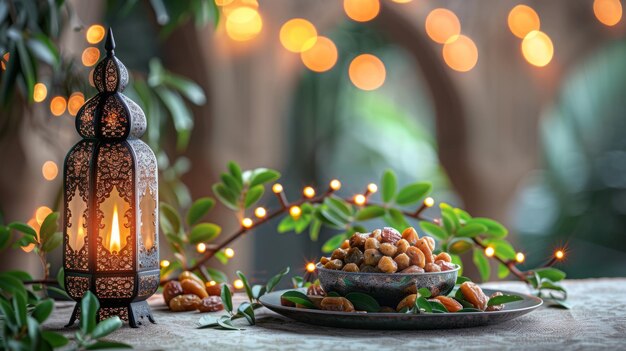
[110,114]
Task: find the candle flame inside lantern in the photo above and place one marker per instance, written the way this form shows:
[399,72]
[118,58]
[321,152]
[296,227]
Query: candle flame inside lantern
[114,240]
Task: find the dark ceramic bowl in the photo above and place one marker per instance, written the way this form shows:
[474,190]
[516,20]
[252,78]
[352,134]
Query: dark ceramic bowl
[387,288]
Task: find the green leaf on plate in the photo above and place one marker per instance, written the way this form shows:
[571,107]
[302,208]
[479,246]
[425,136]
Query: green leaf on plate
[298,297]
[461,279]
[423,304]
[424,292]
[499,300]
[363,302]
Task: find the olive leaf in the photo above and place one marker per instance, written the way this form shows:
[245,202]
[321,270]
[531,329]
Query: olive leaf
[246,285]
[271,284]
[226,323]
[246,310]
[499,300]
[227,298]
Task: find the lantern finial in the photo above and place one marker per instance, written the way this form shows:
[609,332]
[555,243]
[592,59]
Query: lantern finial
[109,45]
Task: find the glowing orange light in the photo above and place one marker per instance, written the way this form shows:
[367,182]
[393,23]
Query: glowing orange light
[40,92]
[608,12]
[231,5]
[41,213]
[361,10]
[5,58]
[295,212]
[260,212]
[75,102]
[490,251]
[298,35]
[559,254]
[310,267]
[372,188]
[359,199]
[523,20]
[243,24]
[308,192]
[367,72]
[520,257]
[114,241]
[537,48]
[460,53]
[238,284]
[201,247]
[50,170]
[246,223]
[212,283]
[321,57]
[429,202]
[94,34]
[90,56]
[441,24]
[165,263]
[402,1]
[58,105]
[277,188]
[230,253]
[335,184]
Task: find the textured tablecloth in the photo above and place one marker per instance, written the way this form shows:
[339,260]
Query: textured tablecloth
[597,320]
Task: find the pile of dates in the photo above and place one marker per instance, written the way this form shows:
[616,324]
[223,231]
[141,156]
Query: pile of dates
[190,293]
[387,251]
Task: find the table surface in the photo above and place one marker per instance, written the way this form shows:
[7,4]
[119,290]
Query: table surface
[597,320]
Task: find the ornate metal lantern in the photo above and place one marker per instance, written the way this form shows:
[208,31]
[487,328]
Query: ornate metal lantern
[110,242]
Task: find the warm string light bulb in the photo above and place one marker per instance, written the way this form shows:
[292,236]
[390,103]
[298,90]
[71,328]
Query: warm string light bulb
[238,284]
[490,251]
[228,252]
[260,212]
[520,257]
[310,267]
[359,199]
[246,223]
[308,192]
[201,248]
[165,263]
[295,212]
[559,254]
[372,188]
[277,188]
[429,202]
[212,283]
[335,184]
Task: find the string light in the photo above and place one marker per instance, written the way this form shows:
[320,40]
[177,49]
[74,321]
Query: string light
[367,72]
[321,57]
[260,212]
[246,223]
[335,184]
[50,170]
[243,24]
[460,53]
[559,254]
[58,105]
[429,202]
[40,92]
[90,56]
[372,188]
[238,284]
[165,263]
[537,48]
[228,252]
[359,199]
[277,188]
[523,20]
[212,283]
[295,212]
[298,35]
[608,12]
[41,213]
[361,10]
[75,102]
[308,192]
[490,251]
[94,34]
[520,257]
[442,24]
[201,247]
[310,267]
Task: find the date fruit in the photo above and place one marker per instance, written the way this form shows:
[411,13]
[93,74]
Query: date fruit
[340,304]
[449,303]
[187,302]
[191,286]
[211,304]
[473,294]
[171,290]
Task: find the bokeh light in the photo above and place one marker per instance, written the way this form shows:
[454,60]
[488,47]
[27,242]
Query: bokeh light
[50,170]
[228,252]
[308,192]
[58,105]
[359,199]
[335,184]
[201,247]
[277,188]
[75,102]
[429,202]
[247,223]
[260,212]
[367,72]
[537,48]
[523,20]
[165,263]
[295,211]
[40,92]
[41,213]
[94,34]
[231,5]
[460,53]
[223,2]
[520,257]
[321,57]
[372,188]
[310,267]
[490,251]
[298,35]
[441,24]
[238,284]
[608,12]
[90,56]
[559,254]
[243,24]
[361,10]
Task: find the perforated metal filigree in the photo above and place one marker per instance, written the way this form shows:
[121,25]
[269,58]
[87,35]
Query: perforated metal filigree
[76,286]
[107,312]
[148,285]
[115,287]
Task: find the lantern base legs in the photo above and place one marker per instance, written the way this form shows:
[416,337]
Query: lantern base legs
[135,313]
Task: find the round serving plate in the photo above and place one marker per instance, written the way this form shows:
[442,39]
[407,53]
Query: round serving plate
[395,321]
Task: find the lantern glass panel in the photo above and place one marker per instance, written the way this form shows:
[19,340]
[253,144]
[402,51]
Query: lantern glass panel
[116,228]
[148,208]
[77,229]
